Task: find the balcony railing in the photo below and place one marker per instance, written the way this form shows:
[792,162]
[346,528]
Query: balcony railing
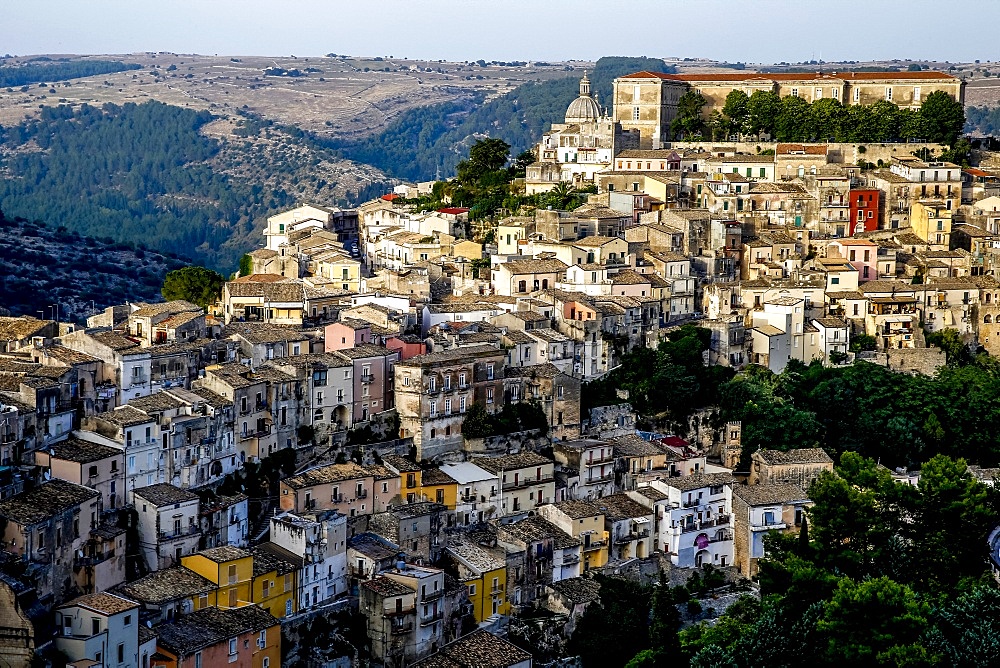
[570,559]
[600,460]
[431,618]
[529,482]
[402,629]
[189,530]
[721,520]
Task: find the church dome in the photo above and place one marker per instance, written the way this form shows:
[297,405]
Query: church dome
[583,109]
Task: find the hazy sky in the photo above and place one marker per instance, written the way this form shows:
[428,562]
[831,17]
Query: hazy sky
[733,30]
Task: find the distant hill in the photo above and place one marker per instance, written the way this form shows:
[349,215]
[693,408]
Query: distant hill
[47,70]
[41,266]
[154,174]
[422,140]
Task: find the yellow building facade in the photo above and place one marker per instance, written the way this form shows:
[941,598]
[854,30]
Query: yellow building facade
[230,568]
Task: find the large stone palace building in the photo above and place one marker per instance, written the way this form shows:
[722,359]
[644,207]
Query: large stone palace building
[647,101]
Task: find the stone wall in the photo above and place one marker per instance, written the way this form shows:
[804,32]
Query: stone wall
[844,153]
[925,361]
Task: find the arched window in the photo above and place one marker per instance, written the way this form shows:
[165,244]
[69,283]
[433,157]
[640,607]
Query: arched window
[987,319]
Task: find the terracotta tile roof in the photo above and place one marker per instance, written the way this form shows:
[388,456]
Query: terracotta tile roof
[690,482]
[326,474]
[165,494]
[16,329]
[77,450]
[768,494]
[102,602]
[578,509]
[797,456]
[45,501]
[212,626]
[479,649]
[387,587]
[511,462]
[577,590]
[621,506]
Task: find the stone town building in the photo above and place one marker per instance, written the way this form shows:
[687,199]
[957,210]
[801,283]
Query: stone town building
[103,628]
[166,594]
[346,488]
[577,149]
[245,637]
[798,467]
[48,527]
[695,529]
[760,509]
[168,523]
[647,101]
[404,608]
[434,391]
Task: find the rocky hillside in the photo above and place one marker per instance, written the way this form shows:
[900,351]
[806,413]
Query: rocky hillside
[41,266]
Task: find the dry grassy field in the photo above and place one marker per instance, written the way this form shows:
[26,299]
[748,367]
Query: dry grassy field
[344,97]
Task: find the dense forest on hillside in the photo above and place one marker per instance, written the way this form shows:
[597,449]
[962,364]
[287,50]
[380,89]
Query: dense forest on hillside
[133,173]
[423,140]
[146,174]
[41,266]
[35,72]
[985,120]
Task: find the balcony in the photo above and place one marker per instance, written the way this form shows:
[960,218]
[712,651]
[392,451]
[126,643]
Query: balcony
[432,596]
[528,482]
[431,618]
[595,545]
[190,530]
[402,629]
[606,459]
[570,559]
[600,479]
[368,379]
[408,609]
[721,520]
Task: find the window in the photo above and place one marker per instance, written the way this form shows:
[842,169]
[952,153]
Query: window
[447,406]
[888,93]
[263,638]
[857,94]
[461,379]
[489,395]
[232,647]
[795,92]
[916,93]
[128,620]
[431,384]
[95,626]
[489,372]
[197,660]
[835,93]
[121,652]
[635,113]
[434,409]
[461,405]
[818,94]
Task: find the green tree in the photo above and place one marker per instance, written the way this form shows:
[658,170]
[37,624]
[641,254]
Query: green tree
[867,623]
[885,120]
[953,519]
[950,341]
[737,110]
[793,122]
[827,118]
[967,630]
[666,621]
[477,423]
[246,265]
[485,156]
[197,285]
[763,108]
[943,117]
[520,164]
[689,123]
